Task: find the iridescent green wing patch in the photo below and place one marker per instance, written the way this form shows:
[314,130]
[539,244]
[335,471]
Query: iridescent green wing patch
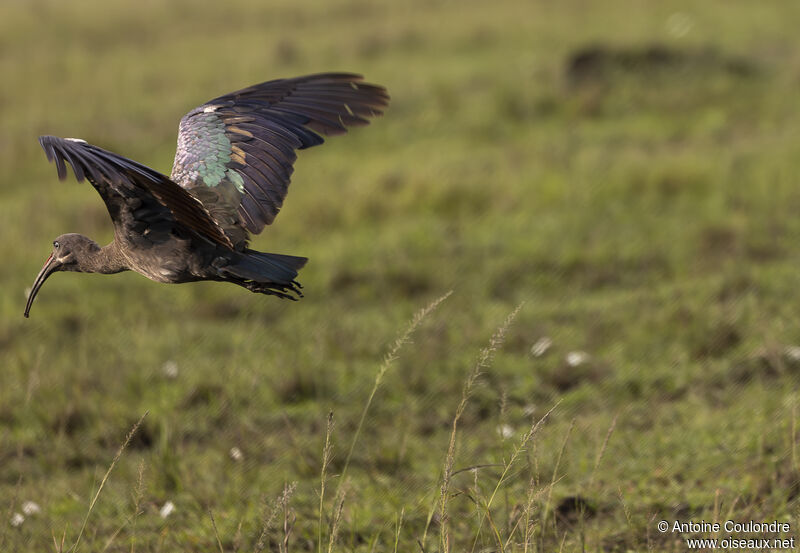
[203,150]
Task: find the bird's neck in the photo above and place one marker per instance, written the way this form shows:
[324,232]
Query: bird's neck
[106,260]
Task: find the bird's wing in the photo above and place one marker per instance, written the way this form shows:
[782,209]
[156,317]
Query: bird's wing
[235,153]
[134,194]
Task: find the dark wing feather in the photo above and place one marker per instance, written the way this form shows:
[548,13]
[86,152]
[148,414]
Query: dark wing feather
[236,152]
[129,188]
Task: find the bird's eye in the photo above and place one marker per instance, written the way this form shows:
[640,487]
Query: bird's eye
[56,244]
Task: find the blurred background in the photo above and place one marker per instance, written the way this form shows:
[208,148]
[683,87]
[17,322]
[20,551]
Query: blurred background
[625,170]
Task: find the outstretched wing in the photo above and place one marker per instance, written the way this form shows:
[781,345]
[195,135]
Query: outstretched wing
[137,197]
[235,153]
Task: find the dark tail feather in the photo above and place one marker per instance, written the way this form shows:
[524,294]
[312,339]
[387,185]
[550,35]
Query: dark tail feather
[267,273]
[267,267]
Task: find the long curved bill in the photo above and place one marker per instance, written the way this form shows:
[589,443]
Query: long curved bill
[50,267]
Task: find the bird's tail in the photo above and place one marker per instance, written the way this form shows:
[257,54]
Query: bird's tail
[268,273]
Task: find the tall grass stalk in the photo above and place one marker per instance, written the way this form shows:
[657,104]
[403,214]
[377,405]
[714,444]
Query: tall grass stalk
[270,515]
[105,479]
[398,527]
[527,516]
[283,547]
[337,518]
[531,499]
[484,361]
[113,536]
[138,494]
[59,546]
[602,451]
[554,478]
[326,458]
[237,537]
[388,361]
[513,459]
[581,506]
[216,531]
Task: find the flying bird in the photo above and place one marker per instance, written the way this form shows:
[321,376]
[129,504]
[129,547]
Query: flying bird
[230,176]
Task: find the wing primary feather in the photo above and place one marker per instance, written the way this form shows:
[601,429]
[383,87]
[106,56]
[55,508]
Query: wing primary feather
[257,158]
[251,182]
[323,120]
[334,95]
[292,132]
[311,111]
[269,136]
[77,168]
[246,208]
[260,186]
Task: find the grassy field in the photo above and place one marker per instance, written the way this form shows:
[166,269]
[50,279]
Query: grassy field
[628,172]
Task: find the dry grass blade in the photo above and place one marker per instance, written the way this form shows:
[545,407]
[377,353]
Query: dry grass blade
[483,362]
[105,479]
[237,537]
[602,451]
[553,480]
[60,545]
[326,458]
[390,358]
[288,524]
[429,518]
[216,532]
[137,503]
[495,530]
[110,540]
[398,527]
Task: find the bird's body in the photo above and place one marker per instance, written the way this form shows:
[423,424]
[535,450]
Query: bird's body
[230,176]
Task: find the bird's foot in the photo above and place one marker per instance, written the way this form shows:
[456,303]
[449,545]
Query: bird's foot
[284,291]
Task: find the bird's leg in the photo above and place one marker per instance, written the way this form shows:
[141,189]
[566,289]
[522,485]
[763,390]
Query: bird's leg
[272,288]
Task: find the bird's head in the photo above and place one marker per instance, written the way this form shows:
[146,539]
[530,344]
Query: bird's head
[70,253]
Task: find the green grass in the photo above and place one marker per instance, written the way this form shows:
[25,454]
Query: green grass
[645,213]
